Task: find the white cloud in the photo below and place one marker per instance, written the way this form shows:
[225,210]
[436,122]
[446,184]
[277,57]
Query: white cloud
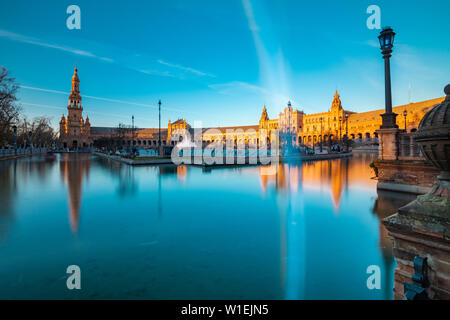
[120,102]
[37,42]
[158,73]
[186,69]
[234,87]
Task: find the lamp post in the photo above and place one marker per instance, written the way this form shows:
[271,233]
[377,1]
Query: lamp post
[346,131]
[340,129]
[132,134]
[405,113]
[386,39]
[159,126]
[30,136]
[321,136]
[15,138]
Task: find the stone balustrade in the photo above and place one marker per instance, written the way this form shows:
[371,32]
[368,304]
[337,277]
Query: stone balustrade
[9,152]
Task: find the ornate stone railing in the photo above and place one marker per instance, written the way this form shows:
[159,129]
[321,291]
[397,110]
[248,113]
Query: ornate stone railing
[20,151]
[408,149]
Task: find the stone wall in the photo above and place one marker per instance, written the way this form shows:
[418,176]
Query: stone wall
[416,176]
[411,241]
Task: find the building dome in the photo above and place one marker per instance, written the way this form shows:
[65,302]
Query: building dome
[433,135]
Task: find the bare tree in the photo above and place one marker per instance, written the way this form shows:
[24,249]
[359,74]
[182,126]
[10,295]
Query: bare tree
[38,132]
[9,109]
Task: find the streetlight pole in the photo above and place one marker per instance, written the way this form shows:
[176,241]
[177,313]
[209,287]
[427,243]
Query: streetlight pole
[30,135]
[386,39]
[405,113]
[340,129]
[321,135]
[15,138]
[159,126]
[132,133]
[346,130]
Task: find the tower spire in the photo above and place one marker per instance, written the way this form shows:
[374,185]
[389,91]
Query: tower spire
[75,97]
[336,101]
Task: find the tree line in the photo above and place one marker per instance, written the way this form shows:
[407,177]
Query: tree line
[36,132]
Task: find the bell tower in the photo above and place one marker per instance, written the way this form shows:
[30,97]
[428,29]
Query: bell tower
[74,130]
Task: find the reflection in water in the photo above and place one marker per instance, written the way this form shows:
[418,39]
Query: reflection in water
[303,231]
[73,168]
[8,189]
[125,175]
[316,175]
[385,205]
[13,175]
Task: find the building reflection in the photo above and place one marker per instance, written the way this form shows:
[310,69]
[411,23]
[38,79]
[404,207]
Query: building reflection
[335,178]
[181,173]
[73,168]
[124,174]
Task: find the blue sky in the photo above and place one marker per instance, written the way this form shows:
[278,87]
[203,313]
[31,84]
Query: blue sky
[217,61]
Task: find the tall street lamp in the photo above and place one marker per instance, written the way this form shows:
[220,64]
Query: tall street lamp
[159,126]
[386,39]
[321,136]
[340,129]
[346,130]
[15,138]
[132,133]
[405,113]
[30,135]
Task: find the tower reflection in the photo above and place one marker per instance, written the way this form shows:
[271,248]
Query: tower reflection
[73,168]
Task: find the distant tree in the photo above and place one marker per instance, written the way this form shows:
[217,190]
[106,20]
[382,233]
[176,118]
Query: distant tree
[9,109]
[42,133]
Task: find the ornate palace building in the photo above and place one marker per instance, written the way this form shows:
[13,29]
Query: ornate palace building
[74,132]
[293,125]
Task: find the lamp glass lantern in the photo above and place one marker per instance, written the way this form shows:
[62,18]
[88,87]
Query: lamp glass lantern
[386,38]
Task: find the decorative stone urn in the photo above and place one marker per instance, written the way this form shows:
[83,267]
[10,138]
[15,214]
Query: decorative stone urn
[421,229]
[434,134]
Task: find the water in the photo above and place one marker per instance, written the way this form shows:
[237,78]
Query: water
[308,232]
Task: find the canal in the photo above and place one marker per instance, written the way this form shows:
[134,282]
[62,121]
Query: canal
[302,231]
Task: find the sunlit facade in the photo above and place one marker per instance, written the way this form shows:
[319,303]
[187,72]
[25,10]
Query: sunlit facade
[292,125]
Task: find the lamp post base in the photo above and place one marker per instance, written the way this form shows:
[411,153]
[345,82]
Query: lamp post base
[389,121]
[388,143]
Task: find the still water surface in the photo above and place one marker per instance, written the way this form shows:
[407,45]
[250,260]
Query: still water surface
[307,232]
